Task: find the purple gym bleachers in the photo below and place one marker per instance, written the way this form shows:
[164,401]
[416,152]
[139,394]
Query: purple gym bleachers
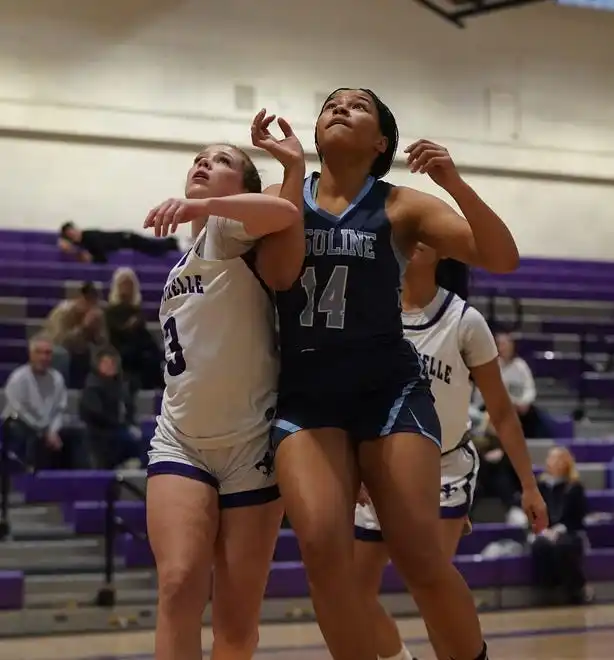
[11,590]
[36,276]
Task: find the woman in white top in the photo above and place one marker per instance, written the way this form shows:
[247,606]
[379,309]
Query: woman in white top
[518,379]
[212,497]
[456,346]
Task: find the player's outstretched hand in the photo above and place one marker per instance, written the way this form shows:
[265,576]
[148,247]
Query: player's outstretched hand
[426,157]
[166,217]
[287,150]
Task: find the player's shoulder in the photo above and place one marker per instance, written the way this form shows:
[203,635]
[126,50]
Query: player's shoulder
[407,206]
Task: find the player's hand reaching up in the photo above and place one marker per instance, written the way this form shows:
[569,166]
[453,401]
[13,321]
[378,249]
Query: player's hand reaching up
[426,157]
[287,150]
[166,217]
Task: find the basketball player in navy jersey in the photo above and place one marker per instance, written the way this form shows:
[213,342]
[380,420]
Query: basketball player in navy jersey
[212,498]
[354,399]
[457,347]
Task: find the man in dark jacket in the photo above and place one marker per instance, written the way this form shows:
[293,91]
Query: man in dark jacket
[107,408]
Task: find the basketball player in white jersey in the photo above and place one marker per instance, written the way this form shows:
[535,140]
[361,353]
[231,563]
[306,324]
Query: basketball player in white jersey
[212,498]
[456,346]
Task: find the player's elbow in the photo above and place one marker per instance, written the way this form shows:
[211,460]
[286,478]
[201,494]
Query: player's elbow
[289,215]
[507,261]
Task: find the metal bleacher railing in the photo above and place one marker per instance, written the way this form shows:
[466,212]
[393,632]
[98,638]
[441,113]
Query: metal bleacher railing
[107,596]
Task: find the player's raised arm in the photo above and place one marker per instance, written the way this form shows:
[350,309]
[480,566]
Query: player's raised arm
[260,214]
[280,256]
[480,238]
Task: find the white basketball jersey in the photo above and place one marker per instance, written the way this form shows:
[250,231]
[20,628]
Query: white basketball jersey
[434,331]
[222,364]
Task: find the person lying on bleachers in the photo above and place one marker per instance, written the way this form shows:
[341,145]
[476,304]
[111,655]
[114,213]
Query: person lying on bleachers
[558,551]
[107,408]
[77,328]
[141,357]
[36,401]
[95,245]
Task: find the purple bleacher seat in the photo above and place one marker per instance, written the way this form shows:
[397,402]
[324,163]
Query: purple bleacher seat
[600,501]
[590,451]
[60,271]
[594,344]
[137,553]
[55,291]
[65,486]
[51,254]
[560,427]
[528,276]
[12,330]
[13,351]
[11,590]
[569,325]
[287,580]
[287,546]
[543,290]
[89,517]
[39,309]
[561,367]
[30,236]
[598,385]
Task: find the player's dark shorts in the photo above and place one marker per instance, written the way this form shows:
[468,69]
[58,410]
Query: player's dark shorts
[364,416]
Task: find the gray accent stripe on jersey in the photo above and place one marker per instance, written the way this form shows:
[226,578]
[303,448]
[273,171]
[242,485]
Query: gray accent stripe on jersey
[436,318]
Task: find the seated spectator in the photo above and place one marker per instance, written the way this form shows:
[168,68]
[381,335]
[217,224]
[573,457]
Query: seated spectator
[558,551]
[520,384]
[36,401]
[496,476]
[77,327]
[140,356]
[107,408]
[94,245]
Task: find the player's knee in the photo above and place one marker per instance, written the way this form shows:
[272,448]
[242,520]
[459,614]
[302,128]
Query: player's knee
[181,587]
[235,639]
[422,564]
[323,555]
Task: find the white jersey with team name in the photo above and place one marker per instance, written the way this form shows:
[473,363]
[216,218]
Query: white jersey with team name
[221,359]
[452,338]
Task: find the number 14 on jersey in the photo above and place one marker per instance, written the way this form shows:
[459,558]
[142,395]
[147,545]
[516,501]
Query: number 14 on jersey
[331,301]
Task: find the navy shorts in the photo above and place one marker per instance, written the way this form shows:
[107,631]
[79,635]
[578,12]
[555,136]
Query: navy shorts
[363,415]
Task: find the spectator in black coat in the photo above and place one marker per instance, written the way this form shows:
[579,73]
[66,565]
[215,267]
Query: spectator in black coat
[141,357]
[559,550]
[107,408]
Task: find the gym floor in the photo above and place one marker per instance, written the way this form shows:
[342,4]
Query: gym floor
[580,633]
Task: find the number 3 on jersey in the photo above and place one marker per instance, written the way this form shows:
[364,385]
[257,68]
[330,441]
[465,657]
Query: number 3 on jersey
[176,365]
[331,302]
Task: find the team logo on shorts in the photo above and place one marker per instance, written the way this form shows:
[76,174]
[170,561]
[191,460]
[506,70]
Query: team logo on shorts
[449,490]
[266,465]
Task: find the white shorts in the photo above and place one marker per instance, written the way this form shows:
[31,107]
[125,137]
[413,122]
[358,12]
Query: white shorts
[243,475]
[459,473]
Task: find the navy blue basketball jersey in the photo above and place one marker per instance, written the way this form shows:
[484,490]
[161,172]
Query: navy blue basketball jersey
[347,300]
